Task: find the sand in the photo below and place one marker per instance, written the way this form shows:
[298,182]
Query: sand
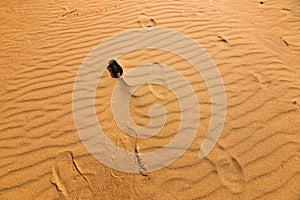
[256,47]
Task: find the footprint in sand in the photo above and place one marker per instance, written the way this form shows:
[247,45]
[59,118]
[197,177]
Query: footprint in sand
[67,178]
[228,168]
[146,21]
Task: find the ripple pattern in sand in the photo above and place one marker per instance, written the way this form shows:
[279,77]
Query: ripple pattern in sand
[255,46]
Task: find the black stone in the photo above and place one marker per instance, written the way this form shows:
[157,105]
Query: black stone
[115,69]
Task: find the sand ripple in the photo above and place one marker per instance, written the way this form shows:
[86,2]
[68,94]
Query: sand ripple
[256,47]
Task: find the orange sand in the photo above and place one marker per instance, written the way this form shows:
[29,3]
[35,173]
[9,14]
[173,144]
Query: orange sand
[256,47]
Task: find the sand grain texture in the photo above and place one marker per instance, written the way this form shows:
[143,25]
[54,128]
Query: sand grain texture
[256,46]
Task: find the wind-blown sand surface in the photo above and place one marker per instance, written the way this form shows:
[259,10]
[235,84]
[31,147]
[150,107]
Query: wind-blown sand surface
[256,46]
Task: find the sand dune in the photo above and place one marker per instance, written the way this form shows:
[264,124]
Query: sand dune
[256,47]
